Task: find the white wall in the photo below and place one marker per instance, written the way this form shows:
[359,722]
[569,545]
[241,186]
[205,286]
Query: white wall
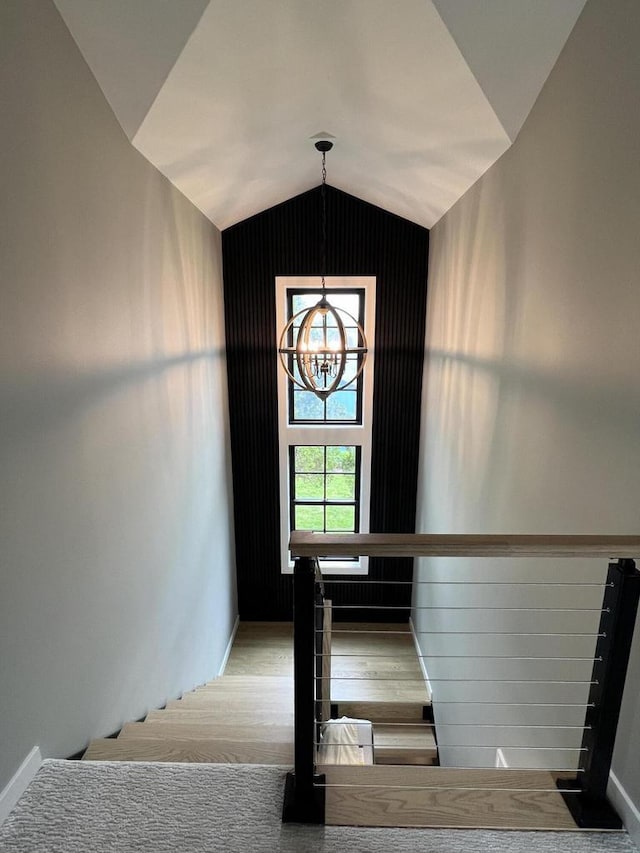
[117,583]
[531,405]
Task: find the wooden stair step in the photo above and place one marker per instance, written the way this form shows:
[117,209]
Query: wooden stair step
[256,631]
[507,778]
[381,711]
[254,694]
[369,666]
[242,694]
[378,690]
[209,731]
[280,663]
[404,744]
[262,704]
[248,682]
[189,750]
[443,797]
[221,714]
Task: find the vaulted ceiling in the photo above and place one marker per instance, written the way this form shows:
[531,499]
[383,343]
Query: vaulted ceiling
[225,96]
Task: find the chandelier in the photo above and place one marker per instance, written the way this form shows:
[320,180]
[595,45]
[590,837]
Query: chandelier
[323,348]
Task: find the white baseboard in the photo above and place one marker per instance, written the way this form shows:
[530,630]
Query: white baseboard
[425,674]
[625,807]
[229,646]
[19,782]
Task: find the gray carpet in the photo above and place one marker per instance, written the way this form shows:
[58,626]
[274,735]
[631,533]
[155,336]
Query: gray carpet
[76,807]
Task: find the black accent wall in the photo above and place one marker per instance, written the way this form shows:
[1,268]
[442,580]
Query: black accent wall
[361,240]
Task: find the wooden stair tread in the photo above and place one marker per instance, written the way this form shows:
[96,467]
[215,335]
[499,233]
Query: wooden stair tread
[403,756]
[362,666]
[222,714]
[189,750]
[264,704]
[249,630]
[410,737]
[209,731]
[378,711]
[404,744]
[443,797]
[371,690]
[492,777]
[235,682]
[251,691]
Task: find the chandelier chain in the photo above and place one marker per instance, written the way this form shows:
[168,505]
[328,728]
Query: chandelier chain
[315,350]
[324,220]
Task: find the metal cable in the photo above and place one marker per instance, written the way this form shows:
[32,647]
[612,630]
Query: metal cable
[473,633]
[474,607]
[341,581]
[457,787]
[435,680]
[515,704]
[598,659]
[502,746]
[427,725]
[472,746]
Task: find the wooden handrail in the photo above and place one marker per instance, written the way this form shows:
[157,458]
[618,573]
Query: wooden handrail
[306,544]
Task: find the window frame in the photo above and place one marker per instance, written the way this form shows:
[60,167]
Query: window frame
[325,473]
[356,387]
[330,433]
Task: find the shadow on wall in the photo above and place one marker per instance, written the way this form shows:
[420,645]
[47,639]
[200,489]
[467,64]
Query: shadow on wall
[33,404]
[484,414]
[530,410]
[118,586]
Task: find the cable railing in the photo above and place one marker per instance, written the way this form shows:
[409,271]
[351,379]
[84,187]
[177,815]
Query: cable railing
[570,698]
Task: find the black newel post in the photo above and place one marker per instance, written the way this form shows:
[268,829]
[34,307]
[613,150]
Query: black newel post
[319,645]
[588,804]
[303,801]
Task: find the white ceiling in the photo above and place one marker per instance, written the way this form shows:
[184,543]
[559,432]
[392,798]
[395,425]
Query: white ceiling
[224,96]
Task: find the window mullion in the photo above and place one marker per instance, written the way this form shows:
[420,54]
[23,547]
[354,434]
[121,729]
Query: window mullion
[325,487]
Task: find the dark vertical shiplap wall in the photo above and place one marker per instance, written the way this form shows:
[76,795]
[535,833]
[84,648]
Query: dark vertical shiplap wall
[361,240]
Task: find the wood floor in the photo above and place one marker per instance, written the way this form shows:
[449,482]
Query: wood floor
[375,663]
[246,716]
[262,649]
[366,652]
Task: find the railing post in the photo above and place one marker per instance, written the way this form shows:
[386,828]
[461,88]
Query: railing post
[303,801]
[589,805]
[318,614]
